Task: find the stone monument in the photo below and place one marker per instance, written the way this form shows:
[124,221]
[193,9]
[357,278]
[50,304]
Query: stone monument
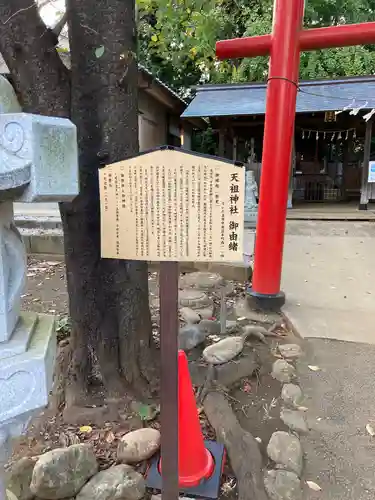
[251,205]
[38,162]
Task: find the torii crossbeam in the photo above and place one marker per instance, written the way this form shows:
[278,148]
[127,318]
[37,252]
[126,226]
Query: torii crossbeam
[284,45]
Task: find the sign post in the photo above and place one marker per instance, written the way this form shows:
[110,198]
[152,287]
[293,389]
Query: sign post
[171,205]
[288,39]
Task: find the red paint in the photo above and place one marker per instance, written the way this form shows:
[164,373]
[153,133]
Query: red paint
[284,46]
[313,39]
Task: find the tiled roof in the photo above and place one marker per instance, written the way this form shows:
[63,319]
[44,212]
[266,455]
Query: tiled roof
[250,99]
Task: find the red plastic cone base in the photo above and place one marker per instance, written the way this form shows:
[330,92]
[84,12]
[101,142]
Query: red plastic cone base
[195,462]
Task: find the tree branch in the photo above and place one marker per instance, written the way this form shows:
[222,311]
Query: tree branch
[18,11]
[29,50]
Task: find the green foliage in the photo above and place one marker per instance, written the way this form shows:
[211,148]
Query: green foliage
[177,39]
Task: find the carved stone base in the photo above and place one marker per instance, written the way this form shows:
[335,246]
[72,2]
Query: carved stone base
[21,336]
[26,379]
[12,271]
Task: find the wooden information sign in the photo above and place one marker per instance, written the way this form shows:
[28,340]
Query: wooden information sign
[171,205]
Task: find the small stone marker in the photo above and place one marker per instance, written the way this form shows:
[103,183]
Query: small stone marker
[224,350]
[295,420]
[290,351]
[138,445]
[116,483]
[282,485]
[283,371]
[62,472]
[285,449]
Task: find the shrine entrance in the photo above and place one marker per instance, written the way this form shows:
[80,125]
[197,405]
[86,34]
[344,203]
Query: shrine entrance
[329,153]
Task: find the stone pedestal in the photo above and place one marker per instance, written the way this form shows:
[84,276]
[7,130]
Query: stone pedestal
[38,162]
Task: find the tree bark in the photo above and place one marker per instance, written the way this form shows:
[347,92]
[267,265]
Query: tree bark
[108,299]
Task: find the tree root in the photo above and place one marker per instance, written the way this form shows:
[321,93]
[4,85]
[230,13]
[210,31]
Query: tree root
[63,357]
[242,449]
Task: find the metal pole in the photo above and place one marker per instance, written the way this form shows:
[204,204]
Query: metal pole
[168,286]
[277,147]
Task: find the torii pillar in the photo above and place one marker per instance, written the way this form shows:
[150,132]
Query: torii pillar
[284,45]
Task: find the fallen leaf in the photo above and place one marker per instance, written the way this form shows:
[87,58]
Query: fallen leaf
[370,430]
[313,486]
[85,429]
[314,368]
[110,437]
[99,51]
[247,387]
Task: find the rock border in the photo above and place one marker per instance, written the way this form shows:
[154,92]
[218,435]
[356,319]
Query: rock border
[283,481]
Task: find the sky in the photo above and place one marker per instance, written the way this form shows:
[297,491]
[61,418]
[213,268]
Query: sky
[52,12]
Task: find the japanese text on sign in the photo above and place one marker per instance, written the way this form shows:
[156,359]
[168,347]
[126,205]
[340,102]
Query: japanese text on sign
[170,205]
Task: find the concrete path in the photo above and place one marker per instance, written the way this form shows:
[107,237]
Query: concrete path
[329,279]
[339,452]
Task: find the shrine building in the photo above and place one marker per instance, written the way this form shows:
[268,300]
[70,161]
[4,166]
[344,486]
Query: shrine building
[332,140]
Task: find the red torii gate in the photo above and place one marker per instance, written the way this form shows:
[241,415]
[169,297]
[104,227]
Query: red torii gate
[288,39]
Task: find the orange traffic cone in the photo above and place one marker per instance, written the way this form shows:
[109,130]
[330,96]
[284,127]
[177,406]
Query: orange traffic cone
[195,462]
[200,462]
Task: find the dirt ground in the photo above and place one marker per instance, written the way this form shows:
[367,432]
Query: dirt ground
[255,400]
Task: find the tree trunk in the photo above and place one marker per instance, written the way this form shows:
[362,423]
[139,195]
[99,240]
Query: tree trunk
[108,298]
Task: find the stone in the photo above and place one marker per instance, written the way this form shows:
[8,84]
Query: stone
[232,326]
[120,482]
[205,313]
[283,371]
[189,336]
[138,445]
[38,162]
[282,485]
[290,351]
[189,315]
[195,299]
[291,394]
[19,478]
[8,98]
[243,310]
[210,326]
[285,449]
[224,350]
[295,420]
[61,473]
[202,280]
[12,271]
[20,339]
[26,379]
[236,271]
[39,156]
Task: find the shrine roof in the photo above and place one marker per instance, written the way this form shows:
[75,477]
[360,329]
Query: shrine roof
[313,96]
